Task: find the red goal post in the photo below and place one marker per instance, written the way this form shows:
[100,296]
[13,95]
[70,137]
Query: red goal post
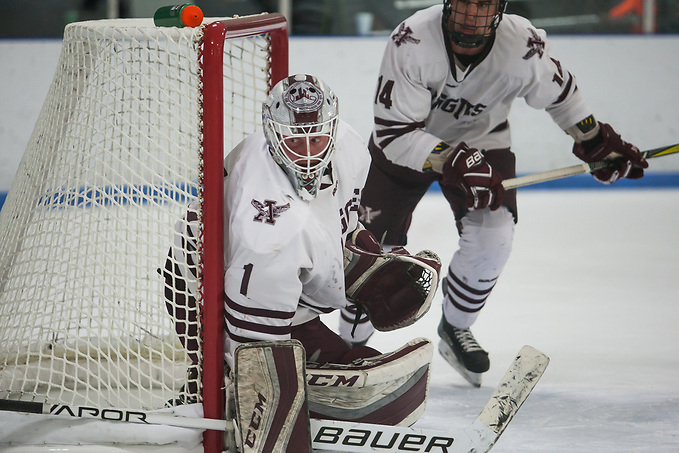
[213,278]
[135,126]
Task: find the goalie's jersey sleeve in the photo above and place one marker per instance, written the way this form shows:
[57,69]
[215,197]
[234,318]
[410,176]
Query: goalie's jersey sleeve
[422,98]
[282,253]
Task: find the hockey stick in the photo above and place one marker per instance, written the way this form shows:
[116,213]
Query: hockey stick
[559,173]
[112,414]
[480,436]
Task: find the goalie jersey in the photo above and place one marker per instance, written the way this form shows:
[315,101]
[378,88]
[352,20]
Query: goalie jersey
[423,98]
[284,256]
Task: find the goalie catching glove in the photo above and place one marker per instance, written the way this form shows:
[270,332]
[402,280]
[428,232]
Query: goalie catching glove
[394,289]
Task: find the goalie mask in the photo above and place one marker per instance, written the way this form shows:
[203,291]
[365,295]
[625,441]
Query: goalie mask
[300,123]
[470,23]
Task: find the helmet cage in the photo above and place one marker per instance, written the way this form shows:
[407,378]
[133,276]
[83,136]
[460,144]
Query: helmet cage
[301,107]
[456,12]
[303,169]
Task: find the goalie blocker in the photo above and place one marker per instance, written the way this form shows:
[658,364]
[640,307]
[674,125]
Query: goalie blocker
[394,289]
[273,400]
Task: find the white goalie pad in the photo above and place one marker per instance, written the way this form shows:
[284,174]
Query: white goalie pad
[270,398]
[388,389]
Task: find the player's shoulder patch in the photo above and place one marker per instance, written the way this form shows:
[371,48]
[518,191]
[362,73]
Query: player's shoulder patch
[404,35]
[520,45]
[535,45]
[418,28]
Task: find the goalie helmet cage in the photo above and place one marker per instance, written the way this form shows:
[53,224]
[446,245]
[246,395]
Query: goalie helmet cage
[133,129]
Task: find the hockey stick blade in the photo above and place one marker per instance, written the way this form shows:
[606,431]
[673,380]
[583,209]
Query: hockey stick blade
[559,173]
[517,383]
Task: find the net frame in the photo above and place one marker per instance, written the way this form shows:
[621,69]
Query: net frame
[212,64]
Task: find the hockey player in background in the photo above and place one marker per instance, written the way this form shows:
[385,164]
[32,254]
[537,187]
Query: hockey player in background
[448,78]
[294,249]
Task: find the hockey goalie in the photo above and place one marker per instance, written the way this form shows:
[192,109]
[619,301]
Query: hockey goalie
[294,250]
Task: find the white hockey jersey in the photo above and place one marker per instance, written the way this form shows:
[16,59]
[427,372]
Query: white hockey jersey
[284,256]
[423,99]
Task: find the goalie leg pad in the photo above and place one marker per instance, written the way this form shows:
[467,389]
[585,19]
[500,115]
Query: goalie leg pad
[270,395]
[388,389]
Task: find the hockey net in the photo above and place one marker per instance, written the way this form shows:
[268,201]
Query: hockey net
[133,129]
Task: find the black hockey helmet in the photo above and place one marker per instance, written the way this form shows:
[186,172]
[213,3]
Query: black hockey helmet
[471,28]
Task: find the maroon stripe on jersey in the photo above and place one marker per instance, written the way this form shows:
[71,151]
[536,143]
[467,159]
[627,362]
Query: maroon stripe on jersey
[238,338]
[500,127]
[394,130]
[256,327]
[260,312]
[385,122]
[566,91]
[324,310]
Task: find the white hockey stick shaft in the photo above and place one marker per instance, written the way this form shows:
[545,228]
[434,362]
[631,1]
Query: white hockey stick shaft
[112,414]
[559,173]
[549,175]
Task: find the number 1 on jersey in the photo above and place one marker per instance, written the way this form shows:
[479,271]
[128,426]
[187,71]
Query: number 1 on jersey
[246,279]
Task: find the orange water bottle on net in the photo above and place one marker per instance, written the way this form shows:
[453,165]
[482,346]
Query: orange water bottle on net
[184,15]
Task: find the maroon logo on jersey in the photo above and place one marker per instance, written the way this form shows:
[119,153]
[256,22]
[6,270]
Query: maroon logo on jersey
[458,107]
[268,211]
[404,35]
[536,45]
[366,214]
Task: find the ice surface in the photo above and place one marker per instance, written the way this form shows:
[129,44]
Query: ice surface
[593,282]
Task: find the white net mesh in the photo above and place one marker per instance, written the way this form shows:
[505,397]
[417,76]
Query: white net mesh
[112,163]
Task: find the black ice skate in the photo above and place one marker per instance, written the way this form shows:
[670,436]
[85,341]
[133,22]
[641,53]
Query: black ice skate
[460,349]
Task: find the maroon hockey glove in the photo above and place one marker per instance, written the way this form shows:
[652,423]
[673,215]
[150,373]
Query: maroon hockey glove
[364,239]
[468,168]
[626,159]
[393,289]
